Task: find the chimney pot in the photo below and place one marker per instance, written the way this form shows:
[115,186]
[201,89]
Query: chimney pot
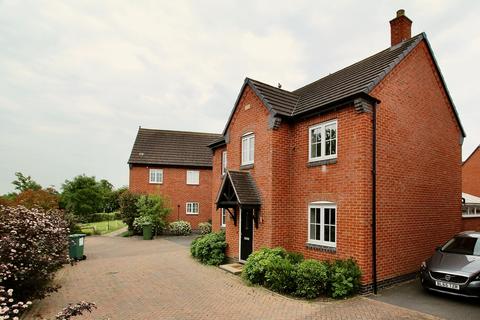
[400,28]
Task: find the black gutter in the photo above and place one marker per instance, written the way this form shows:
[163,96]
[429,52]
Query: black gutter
[374,197]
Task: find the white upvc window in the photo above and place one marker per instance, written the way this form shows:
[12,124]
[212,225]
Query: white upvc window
[248,148]
[322,224]
[323,141]
[223,218]
[156,176]
[470,211]
[193,177]
[192,207]
[224,162]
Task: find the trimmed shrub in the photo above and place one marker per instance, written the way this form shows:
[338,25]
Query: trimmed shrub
[311,278]
[344,278]
[205,227]
[180,228]
[279,274]
[294,257]
[33,245]
[256,264]
[210,248]
[152,209]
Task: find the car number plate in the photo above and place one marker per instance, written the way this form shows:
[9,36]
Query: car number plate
[447,285]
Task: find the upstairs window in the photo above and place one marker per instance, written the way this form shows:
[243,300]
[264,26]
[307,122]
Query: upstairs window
[192,208]
[156,176]
[322,222]
[248,148]
[323,141]
[193,177]
[224,162]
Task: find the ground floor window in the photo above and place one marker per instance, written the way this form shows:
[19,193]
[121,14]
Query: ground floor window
[471,211]
[322,219]
[192,208]
[223,221]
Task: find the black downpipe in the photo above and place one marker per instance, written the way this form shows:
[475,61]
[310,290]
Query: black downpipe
[374,197]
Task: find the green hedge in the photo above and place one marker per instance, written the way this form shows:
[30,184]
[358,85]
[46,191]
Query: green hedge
[210,248]
[287,272]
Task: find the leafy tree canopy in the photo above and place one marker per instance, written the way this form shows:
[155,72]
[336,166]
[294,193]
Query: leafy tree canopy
[23,183]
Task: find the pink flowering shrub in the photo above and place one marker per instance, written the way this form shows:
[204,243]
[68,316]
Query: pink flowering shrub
[9,309]
[33,245]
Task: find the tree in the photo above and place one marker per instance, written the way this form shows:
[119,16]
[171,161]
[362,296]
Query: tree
[82,196]
[23,183]
[43,198]
[128,207]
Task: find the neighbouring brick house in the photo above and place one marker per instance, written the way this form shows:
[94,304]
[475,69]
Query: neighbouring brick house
[363,163]
[471,191]
[177,165]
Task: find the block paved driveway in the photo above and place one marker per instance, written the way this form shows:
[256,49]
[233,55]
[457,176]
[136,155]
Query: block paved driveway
[130,278]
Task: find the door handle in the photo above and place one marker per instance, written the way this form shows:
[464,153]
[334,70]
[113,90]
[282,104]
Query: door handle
[246,238]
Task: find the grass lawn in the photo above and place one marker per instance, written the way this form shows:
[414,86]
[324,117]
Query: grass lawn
[101,227]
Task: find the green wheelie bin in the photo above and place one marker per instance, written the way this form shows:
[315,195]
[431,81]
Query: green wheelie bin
[147,231]
[76,244]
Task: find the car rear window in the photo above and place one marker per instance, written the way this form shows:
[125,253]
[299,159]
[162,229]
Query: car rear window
[463,245]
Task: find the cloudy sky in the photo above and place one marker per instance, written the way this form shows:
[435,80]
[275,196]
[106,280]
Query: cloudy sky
[79,77]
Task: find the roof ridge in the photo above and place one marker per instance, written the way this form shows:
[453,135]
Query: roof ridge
[181,131]
[277,88]
[351,65]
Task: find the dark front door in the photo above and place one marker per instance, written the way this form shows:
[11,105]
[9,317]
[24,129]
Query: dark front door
[246,233]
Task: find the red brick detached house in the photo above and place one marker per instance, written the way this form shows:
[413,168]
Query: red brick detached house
[363,163]
[471,191]
[177,165]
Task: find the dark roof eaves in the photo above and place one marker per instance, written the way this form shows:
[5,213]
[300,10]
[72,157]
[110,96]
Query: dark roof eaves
[170,164]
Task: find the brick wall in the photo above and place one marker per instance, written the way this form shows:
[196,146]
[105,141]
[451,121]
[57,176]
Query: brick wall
[177,191]
[471,174]
[470,224]
[419,166]
[347,183]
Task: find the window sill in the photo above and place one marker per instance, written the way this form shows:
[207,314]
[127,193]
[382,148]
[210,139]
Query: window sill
[321,162]
[155,182]
[471,216]
[192,214]
[246,166]
[193,184]
[320,247]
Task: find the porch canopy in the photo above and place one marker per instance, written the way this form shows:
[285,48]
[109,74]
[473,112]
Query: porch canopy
[238,191]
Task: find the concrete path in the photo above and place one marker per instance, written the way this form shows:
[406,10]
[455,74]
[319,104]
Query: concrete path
[116,233]
[130,278]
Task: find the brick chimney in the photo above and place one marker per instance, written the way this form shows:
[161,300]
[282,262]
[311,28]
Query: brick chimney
[400,28]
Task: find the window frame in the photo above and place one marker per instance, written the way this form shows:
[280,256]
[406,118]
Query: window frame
[224,162]
[223,218]
[150,171]
[192,204]
[322,127]
[250,150]
[471,211]
[322,205]
[198,178]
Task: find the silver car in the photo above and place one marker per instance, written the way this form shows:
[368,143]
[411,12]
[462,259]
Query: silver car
[454,268]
